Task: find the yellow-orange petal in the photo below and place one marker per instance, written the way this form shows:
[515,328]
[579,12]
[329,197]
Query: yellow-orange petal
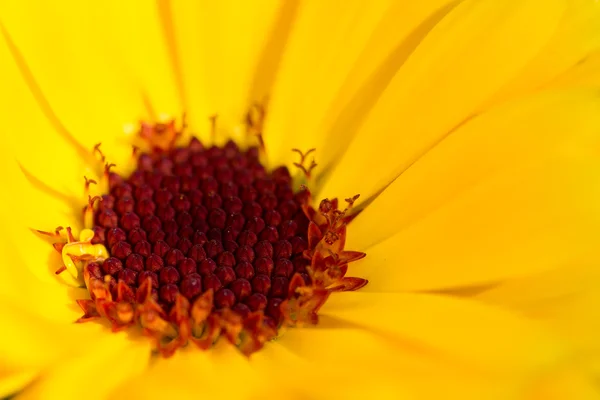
[566,299]
[553,122]
[105,364]
[575,39]
[82,81]
[520,221]
[217,46]
[462,62]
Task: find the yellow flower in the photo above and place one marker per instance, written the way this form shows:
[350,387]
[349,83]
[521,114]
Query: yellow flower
[470,129]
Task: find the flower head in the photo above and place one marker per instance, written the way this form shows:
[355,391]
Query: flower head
[469,128]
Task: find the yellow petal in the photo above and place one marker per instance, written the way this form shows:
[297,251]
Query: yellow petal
[12,382]
[576,37]
[502,138]
[83,80]
[585,73]
[566,299]
[217,47]
[93,374]
[348,70]
[220,372]
[32,133]
[529,219]
[461,63]
[318,57]
[449,330]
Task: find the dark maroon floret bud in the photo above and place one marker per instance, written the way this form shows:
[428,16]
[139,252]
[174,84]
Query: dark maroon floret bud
[115,235]
[95,270]
[226,259]
[181,203]
[269,233]
[128,276]
[264,265]
[144,275]
[284,267]
[170,227]
[288,229]
[184,218]
[168,275]
[244,253]
[173,256]
[274,308]
[160,248]
[135,262]
[143,248]
[171,183]
[151,223]
[206,266]
[136,235]
[268,201]
[130,221]
[241,288]
[145,207]
[156,236]
[256,302]
[287,209]
[213,248]
[99,235]
[199,238]
[212,200]
[225,274]
[300,263]
[229,189]
[107,218]
[197,253]
[298,244]
[195,196]
[255,224]
[233,205]
[184,245]
[144,162]
[168,293]
[186,232]
[143,191]
[261,284]
[209,185]
[230,246]
[211,282]
[107,202]
[248,194]
[123,189]
[121,250]
[154,263]
[217,217]
[191,286]
[124,205]
[165,213]
[224,298]
[279,287]
[252,209]
[200,225]
[247,238]
[112,266]
[215,234]
[272,218]
[282,249]
[245,270]
[263,248]
[187,266]
[172,239]
[236,221]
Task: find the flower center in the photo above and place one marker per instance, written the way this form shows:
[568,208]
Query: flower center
[203,242]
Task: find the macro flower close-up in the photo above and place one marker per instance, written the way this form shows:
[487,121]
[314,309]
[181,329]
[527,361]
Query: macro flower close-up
[300,199]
